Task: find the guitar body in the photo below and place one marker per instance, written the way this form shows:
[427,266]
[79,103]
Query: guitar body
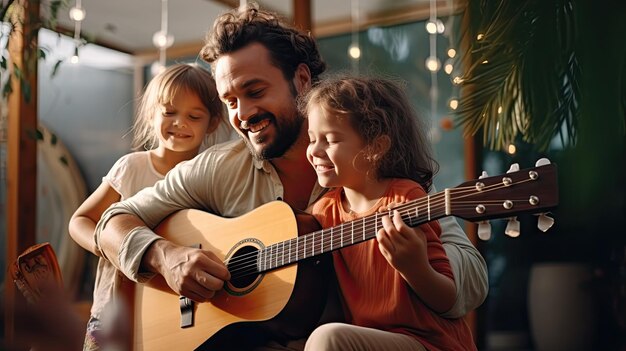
[283,303]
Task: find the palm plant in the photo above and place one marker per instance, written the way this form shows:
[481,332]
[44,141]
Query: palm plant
[521,72]
[538,69]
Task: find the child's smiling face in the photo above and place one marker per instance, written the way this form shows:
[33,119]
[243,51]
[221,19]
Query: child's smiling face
[336,150]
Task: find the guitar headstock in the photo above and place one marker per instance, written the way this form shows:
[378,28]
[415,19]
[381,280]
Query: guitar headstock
[530,190]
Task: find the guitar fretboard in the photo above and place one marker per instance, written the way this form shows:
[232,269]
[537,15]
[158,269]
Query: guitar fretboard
[286,252]
[525,191]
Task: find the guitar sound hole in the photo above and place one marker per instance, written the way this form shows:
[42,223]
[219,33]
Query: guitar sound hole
[243,267]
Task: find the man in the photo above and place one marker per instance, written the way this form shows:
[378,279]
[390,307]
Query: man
[261,66]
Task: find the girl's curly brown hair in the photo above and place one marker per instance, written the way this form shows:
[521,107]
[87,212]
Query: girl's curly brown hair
[379,107]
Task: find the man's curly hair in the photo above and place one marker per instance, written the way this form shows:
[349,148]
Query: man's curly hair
[288,46]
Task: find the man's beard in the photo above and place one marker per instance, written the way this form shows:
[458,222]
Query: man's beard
[287,132]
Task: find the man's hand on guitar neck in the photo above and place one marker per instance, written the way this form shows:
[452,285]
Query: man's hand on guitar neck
[194,273]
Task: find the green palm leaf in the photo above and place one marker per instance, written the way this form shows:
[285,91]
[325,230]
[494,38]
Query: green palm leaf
[521,72]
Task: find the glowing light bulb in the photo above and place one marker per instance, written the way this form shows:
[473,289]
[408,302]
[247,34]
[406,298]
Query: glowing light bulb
[162,39]
[77,14]
[156,68]
[431,27]
[480,37]
[448,68]
[433,64]
[75,59]
[511,149]
[354,51]
[440,26]
[454,103]
[451,53]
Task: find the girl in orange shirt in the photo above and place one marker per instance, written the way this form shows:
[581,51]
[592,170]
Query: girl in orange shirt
[367,144]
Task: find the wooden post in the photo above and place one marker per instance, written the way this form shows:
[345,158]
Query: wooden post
[302,14]
[21,145]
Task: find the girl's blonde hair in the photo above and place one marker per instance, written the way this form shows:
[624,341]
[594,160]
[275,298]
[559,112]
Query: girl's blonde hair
[379,108]
[186,77]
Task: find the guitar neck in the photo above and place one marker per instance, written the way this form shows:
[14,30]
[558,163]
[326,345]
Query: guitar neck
[290,251]
[530,190]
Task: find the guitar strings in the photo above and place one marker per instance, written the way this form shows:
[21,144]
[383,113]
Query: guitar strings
[318,247]
[247,264]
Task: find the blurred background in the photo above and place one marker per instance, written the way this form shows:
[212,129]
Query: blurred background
[498,82]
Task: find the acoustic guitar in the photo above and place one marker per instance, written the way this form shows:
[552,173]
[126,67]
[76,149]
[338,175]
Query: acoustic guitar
[278,270]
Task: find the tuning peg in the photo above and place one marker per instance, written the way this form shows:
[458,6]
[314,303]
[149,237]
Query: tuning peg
[544,222]
[514,168]
[484,230]
[483,175]
[512,228]
[542,162]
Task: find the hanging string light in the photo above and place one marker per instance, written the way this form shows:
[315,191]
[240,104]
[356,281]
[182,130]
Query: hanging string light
[433,27]
[354,51]
[162,39]
[77,14]
[449,65]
